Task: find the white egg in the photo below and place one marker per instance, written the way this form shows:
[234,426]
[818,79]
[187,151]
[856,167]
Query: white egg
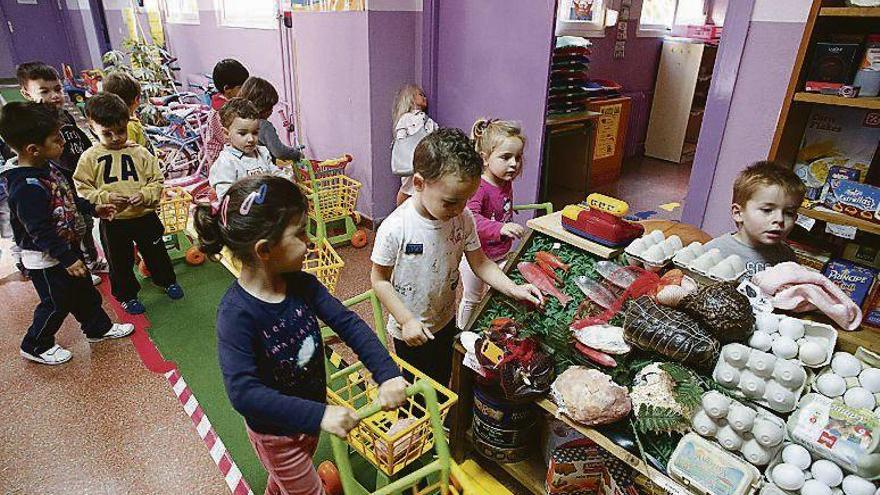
[827,472]
[674,241]
[697,248]
[722,271]
[716,255]
[755,453]
[703,424]
[815,487]
[869,378]
[751,385]
[760,341]
[796,455]
[636,247]
[831,385]
[811,353]
[788,477]
[703,262]
[768,433]
[654,253]
[859,398]
[780,398]
[729,438]
[736,354]
[716,404]
[657,236]
[837,491]
[726,375]
[789,373]
[855,485]
[791,328]
[785,348]
[668,248]
[762,363]
[685,256]
[845,364]
[766,322]
[741,418]
[736,262]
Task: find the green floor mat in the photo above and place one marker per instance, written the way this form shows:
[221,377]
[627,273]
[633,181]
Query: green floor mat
[9,94]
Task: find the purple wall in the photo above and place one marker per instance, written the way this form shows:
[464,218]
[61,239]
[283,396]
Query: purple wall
[493,63]
[77,23]
[7,64]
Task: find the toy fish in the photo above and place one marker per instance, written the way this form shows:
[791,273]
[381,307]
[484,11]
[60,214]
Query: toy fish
[595,291]
[618,275]
[603,338]
[539,278]
[595,356]
[548,270]
[551,260]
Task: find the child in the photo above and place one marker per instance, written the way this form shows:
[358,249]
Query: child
[262,94]
[40,83]
[268,336]
[228,76]
[243,155]
[127,175]
[766,197]
[418,248]
[410,121]
[124,86]
[47,225]
[500,144]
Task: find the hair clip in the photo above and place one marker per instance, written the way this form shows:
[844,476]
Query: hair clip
[223,207]
[255,197]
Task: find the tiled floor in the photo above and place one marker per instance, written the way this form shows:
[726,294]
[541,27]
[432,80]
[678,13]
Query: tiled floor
[646,183]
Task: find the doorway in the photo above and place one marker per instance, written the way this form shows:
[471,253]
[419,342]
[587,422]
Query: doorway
[100,20]
[37,31]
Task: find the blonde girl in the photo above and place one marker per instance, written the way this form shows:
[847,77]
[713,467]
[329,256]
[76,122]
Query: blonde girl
[411,124]
[500,144]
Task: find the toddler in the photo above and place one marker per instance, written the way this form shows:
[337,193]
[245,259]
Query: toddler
[418,249]
[263,95]
[268,336]
[766,197]
[47,224]
[124,173]
[411,123]
[243,155]
[124,86]
[228,76]
[500,144]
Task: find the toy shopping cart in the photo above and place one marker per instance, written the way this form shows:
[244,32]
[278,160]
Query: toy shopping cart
[390,440]
[173,211]
[332,199]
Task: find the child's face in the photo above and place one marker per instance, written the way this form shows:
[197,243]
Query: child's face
[43,91]
[420,101]
[50,149]
[767,217]
[505,162]
[112,137]
[288,253]
[445,198]
[244,134]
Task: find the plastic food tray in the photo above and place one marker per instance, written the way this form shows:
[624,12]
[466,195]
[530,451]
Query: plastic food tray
[746,436]
[820,333]
[697,462]
[868,359]
[700,275]
[750,364]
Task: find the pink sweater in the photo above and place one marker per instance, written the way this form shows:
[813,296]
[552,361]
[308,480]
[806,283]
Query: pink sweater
[492,207]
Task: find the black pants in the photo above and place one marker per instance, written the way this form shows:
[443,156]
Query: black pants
[434,357]
[88,246]
[119,238]
[62,294]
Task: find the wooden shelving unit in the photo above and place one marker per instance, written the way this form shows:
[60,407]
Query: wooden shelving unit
[850,12]
[530,473]
[866,103]
[841,219]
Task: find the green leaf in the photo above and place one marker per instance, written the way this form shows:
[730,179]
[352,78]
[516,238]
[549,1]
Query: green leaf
[654,419]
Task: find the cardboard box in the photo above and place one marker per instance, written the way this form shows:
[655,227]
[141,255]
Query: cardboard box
[857,281]
[853,199]
[834,62]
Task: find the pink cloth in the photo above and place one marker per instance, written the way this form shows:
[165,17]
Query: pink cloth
[797,288]
[214,138]
[288,460]
[492,207]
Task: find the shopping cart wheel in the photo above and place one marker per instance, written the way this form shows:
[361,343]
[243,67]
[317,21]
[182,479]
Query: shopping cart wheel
[194,257]
[359,238]
[142,267]
[330,478]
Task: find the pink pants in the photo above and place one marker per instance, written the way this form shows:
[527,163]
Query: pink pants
[473,290]
[289,463]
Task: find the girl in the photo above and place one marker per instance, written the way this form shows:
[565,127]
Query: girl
[410,119]
[268,336]
[500,143]
[263,95]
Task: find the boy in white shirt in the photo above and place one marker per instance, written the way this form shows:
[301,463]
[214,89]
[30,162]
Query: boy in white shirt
[242,156]
[418,249]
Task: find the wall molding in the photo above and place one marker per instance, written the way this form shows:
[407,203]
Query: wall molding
[395,5]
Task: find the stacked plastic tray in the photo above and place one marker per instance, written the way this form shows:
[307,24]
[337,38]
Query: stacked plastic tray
[570,86]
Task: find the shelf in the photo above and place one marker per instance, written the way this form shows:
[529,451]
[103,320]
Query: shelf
[530,473]
[849,12]
[841,219]
[866,103]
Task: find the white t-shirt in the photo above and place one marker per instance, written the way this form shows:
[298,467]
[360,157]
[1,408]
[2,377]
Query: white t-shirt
[425,255]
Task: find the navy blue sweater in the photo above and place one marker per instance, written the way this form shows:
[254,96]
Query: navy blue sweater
[272,356]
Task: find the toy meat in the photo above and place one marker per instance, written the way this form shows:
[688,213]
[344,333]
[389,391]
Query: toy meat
[723,311]
[589,396]
[669,332]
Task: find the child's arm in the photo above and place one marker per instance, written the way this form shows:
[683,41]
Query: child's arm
[222,176]
[85,179]
[489,272]
[487,229]
[32,205]
[270,139]
[152,179]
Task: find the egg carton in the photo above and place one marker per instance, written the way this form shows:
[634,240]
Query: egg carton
[708,266]
[756,434]
[827,477]
[697,462]
[653,250]
[761,377]
[848,373]
[808,342]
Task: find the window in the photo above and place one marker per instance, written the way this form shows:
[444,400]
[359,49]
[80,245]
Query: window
[658,17]
[182,11]
[261,14]
[581,18]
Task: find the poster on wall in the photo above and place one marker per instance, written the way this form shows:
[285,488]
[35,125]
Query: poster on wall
[607,131]
[328,5]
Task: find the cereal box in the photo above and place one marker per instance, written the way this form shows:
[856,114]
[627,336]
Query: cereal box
[872,309]
[853,199]
[853,279]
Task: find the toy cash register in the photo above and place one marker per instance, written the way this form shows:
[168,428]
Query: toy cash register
[600,219]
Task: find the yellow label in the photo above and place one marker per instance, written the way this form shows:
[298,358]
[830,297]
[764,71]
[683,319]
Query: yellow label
[491,351]
[606,131]
[608,204]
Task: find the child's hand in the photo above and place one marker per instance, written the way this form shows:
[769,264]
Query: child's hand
[513,230]
[120,200]
[106,212]
[78,269]
[136,199]
[392,393]
[415,334]
[527,292]
[339,420]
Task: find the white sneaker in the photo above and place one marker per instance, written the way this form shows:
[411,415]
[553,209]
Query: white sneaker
[96,280]
[99,266]
[54,356]
[117,331]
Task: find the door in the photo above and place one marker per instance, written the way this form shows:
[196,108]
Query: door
[100,20]
[37,30]
[491,58]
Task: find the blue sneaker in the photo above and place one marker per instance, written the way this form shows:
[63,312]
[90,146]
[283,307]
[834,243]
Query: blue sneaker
[174,291]
[134,307]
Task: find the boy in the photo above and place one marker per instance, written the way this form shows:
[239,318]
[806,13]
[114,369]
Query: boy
[263,95]
[127,175]
[766,197]
[243,156]
[40,83]
[47,224]
[124,86]
[418,249]
[228,76]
